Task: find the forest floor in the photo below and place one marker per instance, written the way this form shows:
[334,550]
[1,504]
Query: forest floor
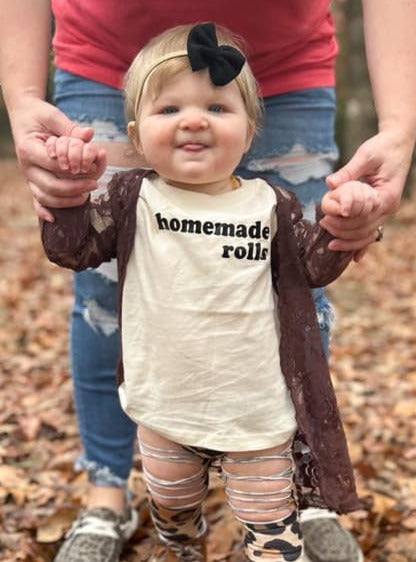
[373,364]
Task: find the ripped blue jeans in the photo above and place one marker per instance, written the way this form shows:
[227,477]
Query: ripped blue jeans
[296,149]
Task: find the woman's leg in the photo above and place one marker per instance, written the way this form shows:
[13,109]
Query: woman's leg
[296,149]
[259,487]
[107,434]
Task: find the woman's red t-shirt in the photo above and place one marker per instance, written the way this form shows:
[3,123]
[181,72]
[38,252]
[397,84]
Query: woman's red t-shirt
[290,44]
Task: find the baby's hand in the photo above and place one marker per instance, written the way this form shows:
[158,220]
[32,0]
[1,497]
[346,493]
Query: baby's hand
[352,199]
[76,156]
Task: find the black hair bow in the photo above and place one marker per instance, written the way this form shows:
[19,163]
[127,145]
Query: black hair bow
[224,62]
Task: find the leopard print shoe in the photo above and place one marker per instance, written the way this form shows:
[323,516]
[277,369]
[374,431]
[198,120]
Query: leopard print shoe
[98,535]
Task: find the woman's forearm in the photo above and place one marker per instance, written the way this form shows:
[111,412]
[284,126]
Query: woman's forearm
[25,33]
[390,37]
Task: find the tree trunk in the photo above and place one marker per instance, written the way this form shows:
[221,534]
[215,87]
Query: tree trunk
[359,120]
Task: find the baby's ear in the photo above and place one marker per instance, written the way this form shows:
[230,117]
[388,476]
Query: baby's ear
[134,136]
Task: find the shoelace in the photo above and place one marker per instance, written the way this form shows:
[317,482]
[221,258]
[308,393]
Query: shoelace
[92,525]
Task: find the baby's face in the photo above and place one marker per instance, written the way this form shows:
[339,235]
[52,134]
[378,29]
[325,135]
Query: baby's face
[193,132]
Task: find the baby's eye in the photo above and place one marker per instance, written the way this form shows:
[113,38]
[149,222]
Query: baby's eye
[169,109]
[216,108]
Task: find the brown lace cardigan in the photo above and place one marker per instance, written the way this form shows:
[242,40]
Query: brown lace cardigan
[86,236]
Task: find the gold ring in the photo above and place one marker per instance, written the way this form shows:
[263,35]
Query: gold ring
[380,233]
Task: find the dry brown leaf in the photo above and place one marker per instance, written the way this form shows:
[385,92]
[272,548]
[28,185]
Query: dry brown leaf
[54,528]
[409,522]
[30,426]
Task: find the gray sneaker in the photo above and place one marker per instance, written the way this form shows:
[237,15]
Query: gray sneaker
[98,535]
[325,540]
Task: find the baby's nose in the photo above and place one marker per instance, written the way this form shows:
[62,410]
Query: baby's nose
[194,120]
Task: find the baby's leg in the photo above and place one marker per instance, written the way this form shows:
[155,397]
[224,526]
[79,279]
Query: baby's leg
[259,489]
[177,482]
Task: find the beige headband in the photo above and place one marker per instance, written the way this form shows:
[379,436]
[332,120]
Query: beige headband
[157,62]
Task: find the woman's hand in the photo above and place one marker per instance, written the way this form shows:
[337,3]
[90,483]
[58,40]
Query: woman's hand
[383,162]
[33,122]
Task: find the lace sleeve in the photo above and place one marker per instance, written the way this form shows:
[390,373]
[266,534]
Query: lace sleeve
[83,236]
[321,265]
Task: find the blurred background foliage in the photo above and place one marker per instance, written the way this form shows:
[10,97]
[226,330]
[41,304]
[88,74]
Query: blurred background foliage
[356,118]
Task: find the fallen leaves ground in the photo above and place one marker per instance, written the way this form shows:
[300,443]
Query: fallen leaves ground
[373,366]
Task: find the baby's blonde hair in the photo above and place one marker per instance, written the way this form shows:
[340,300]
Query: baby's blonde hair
[153,66]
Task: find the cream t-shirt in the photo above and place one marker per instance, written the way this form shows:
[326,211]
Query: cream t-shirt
[199,335]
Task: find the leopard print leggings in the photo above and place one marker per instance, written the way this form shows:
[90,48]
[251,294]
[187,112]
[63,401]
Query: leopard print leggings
[258,486]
